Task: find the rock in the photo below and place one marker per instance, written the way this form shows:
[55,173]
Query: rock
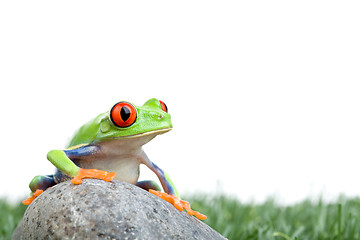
[97,209]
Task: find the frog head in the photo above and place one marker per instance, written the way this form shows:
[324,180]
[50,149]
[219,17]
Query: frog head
[125,120]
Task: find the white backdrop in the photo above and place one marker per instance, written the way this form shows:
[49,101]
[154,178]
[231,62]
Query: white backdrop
[264,95]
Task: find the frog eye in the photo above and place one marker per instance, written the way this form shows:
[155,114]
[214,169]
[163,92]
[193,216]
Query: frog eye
[123,114]
[163,106]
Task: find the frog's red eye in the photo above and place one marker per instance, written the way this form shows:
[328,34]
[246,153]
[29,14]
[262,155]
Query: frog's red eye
[123,114]
[163,106]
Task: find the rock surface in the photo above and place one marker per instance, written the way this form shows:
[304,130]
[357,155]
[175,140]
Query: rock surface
[97,209]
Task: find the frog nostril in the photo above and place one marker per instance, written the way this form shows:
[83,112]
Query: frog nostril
[160,116]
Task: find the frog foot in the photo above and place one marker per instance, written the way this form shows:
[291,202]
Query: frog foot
[93,173]
[35,195]
[178,203]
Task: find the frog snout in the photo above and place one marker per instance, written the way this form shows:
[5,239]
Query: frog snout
[164,119]
[161,116]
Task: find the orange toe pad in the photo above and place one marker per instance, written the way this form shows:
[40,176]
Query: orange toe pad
[93,173]
[35,195]
[178,203]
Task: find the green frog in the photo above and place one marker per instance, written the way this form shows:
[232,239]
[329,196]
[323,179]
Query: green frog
[110,147]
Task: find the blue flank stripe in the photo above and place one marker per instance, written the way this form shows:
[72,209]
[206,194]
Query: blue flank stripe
[81,151]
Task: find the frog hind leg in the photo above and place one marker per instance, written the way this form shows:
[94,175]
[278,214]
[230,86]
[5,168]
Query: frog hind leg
[147,185]
[38,185]
[42,182]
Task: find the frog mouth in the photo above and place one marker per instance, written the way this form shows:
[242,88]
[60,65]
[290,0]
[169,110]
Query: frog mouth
[153,132]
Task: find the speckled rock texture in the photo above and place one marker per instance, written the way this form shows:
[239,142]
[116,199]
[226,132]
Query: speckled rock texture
[97,209]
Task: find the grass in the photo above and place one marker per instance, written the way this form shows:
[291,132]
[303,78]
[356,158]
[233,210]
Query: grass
[303,221]
[236,220]
[10,216]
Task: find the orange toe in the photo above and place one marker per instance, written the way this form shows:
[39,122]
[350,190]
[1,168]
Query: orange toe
[109,176]
[93,173]
[178,203]
[35,195]
[186,205]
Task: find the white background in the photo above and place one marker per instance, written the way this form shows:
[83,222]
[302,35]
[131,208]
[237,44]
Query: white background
[264,95]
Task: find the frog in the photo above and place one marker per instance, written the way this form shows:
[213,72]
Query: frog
[110,147]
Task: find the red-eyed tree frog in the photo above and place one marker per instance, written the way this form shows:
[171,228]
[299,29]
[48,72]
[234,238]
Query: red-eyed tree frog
[110,147]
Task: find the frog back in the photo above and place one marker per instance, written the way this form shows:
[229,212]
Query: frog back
[86,133]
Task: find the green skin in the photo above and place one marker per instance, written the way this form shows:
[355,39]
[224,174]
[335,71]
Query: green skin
[99,144]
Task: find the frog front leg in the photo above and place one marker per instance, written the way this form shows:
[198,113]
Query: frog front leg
[61,160]
[171,195]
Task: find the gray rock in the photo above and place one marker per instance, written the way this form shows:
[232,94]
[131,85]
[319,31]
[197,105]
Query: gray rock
[97,209]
